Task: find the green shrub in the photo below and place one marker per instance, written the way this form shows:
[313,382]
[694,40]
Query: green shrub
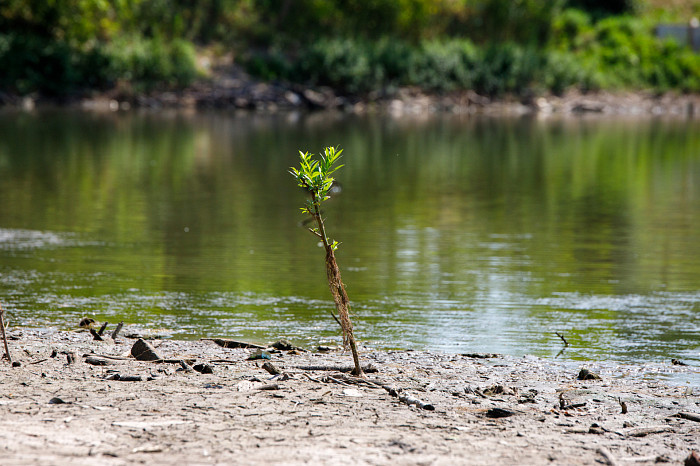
[152,62]
[358,66]
[445,65]
[571,30]
[606,7]
[32,63]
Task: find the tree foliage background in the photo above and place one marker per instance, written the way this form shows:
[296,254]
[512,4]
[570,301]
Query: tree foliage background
[63,47]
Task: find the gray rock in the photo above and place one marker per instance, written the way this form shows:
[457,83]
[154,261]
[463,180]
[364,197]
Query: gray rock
[144,351]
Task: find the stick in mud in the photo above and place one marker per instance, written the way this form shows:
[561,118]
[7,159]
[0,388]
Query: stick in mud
[232,343]
[4,335]
[117,330]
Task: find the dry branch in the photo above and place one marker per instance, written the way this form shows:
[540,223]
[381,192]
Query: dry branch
[4,335]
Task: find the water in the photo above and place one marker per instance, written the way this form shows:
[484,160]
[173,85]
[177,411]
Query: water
[458,234]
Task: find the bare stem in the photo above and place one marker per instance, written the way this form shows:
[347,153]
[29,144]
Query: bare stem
[4,336]
[340,296]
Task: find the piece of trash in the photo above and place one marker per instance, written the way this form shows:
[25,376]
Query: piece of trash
[246,386]
[144,351]
[585,374]
[269,367]
[203,368]
[352,392]
[259,354]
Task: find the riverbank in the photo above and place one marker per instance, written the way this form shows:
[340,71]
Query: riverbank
[231,88]
[74,400]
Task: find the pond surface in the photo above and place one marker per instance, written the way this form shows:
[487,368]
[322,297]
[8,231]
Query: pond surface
[458,234]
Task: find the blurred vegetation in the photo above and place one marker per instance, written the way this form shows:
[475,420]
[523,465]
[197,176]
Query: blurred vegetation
[523,47]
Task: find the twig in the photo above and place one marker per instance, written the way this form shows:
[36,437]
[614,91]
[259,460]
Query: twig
[232,343]
[4,335]
[368,368]
[623,405]
[311,378]
[102,329]
[95,335]
[328,378]
[169,361]
[117,330]
[689,416]
[335,317]
[566,343]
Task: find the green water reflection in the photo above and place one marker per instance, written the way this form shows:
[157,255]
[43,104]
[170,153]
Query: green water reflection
[459,234]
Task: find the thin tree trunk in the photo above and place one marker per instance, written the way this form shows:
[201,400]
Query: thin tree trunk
[340,296]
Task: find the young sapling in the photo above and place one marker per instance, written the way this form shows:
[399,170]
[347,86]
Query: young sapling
[314,175]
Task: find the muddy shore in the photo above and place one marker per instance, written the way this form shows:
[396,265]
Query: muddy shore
[71,399]
[229,87]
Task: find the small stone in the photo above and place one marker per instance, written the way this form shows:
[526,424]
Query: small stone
[86,322]
[97,361]
[500,412]
[144,351]
[585,374]
[283,345]
[203,368]
[693,459]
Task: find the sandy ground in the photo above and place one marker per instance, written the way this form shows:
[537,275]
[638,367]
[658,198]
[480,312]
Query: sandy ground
[56,412]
